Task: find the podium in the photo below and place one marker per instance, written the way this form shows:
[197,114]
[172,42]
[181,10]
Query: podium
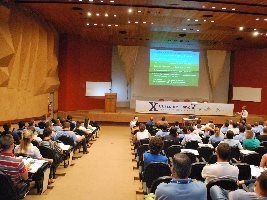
[110,102]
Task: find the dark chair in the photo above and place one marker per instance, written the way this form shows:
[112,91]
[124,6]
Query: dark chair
[252,159]
[140,153]
[155,184]
[172,150]
[205,152]
[35,143]
[191,145]
[261,150]
[144,141]
[167,144]
[51,154]
[244,171]
[66,140]
[196,171]
[8,191]
[225,183]
[205,140]
[215,144]
[192,156]
[213,159]
[235,153]
[154,171]
[264,143]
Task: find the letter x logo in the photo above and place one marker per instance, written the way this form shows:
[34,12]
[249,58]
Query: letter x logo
[153,104]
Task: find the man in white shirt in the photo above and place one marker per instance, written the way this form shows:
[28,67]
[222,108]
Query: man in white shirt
[221,169]
[142,134]
[244,114]
[191,136]
[232,142]
[133,122]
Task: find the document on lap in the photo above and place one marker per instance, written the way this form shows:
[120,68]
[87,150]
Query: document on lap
[34,164]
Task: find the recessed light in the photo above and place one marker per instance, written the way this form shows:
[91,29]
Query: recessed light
[152,23]
[109,25]
[116,25]
[212,21]
[80,0]
[106,14]
[197,30]
[203,6]
[91,0]
[101,1]
[256,33]
[87,24]
[188,19]
[97,14]
[115,15]
[254,29]
[144,22]
[111,1]
[204,20]
[257,19]
[233,8]
[241,28]
[223,8]
[95,24]
[265,19]
[184,29]
[196,20]
[136,22]
[139,11]
[89,14]
[130,10]
[129,22]
[213,7]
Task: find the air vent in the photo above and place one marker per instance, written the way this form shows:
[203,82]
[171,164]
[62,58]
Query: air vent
[76,8]
[182,35]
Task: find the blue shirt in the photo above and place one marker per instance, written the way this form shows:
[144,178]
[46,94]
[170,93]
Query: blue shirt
[69,134]
[150,123]
[214,139]
[185,191]
[256,129]
[240,137]
[58,128]
[149,158]
[224,129]
[161,133]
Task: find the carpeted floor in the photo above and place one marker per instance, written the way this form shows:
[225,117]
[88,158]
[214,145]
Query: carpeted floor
[106,173]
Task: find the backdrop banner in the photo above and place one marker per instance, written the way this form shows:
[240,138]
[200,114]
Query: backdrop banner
[170,107]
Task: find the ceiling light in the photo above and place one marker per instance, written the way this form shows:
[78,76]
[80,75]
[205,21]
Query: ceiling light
[144,22]
[111,1]
[116,25]
[136,22]
[106,14]
[241,28]
[188,19]
[256,33]
[257,19]
[212,21]
[101,1]
[115,15]
[233,8]
[80,0]
[109,25]
[205,20]
[255,29]
[223,8]
[213,7]
[203,6]
[95,24]
[130,10]
[89,14]
[197,30]
[97,14]
[91,0]
[139,11]
[265,19]
[152,23]
[129,22]
[87,24]
[196,20]
[184,29]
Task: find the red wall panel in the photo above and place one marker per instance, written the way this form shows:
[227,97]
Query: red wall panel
[250,70]
[81,61]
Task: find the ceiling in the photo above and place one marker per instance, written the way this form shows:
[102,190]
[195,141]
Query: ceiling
[181,24]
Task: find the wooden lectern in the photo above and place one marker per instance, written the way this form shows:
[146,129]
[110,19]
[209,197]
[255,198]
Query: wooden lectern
[110,102]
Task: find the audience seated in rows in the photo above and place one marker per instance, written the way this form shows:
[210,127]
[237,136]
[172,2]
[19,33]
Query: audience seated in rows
[172,135]
[263,135]
[191,136]
[154,154]
[163,132]
[181,187]
[222,169]
[250,143]
[229,140]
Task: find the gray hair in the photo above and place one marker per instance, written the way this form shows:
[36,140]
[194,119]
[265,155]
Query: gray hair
[182,165]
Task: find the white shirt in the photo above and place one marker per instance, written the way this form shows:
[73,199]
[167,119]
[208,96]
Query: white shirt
[235,130]
[142,135]
[244,114]
[220,170]
[191,137]
[132,124]
[32,151]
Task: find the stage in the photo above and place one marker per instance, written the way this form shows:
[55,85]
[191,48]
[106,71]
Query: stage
[125,115]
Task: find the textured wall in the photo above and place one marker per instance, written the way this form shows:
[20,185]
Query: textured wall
[28,65]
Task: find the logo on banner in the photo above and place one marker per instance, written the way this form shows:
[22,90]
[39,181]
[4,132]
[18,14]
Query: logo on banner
[153,106]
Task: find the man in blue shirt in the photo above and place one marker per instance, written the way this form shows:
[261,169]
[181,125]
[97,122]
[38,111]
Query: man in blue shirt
[164,132]
[150,122]
[241,136]
[181,187]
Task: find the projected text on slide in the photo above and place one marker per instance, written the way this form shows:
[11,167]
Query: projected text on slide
[174,68]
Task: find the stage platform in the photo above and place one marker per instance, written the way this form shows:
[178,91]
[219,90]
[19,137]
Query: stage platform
[125,115]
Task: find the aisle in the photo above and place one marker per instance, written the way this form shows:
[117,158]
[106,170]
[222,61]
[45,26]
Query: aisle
[105,173]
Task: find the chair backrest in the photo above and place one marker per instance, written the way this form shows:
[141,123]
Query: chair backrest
[244,171]
[252,159]
[192,156]
[235,152]
[144,141]
[155,184]
[261,150]
[225,183]
[141,150]
[7,190]
[66,140]
[35,143]
[205,152]
[213,158]
[191,145]
[172,150]
[215,144]
[167,144]
[196,171]
[264,143]
[50,154]
[205,140]
[154,171]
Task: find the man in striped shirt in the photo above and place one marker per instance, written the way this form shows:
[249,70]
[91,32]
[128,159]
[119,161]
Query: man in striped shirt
[10,164]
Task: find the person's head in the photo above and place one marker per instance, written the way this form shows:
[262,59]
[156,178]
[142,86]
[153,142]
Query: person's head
[151,118]
[226,124]
[212,132]
[57,122]
[230,134]
[199,121]
[244,107]
[164,128]
[7,143]
[243,122]
[242,129]
[249,134]
[217,132]
[47,133]
[142,127]
[181,166]
[41,125]
[261,185]
[78,124]
[155,145]
[256,124]
[264,130]
[69,118]
[21,124]
[211,121]
[249,127]
[235,125]
[173,131]
[231,122]
[66,125]
[135,118]
[190,129]
[176,123]
[48,124]
[31,123]
[163,118]
[6,127]
[223,151]
[261,123]
[184,130]
[26,139]
[199,126]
